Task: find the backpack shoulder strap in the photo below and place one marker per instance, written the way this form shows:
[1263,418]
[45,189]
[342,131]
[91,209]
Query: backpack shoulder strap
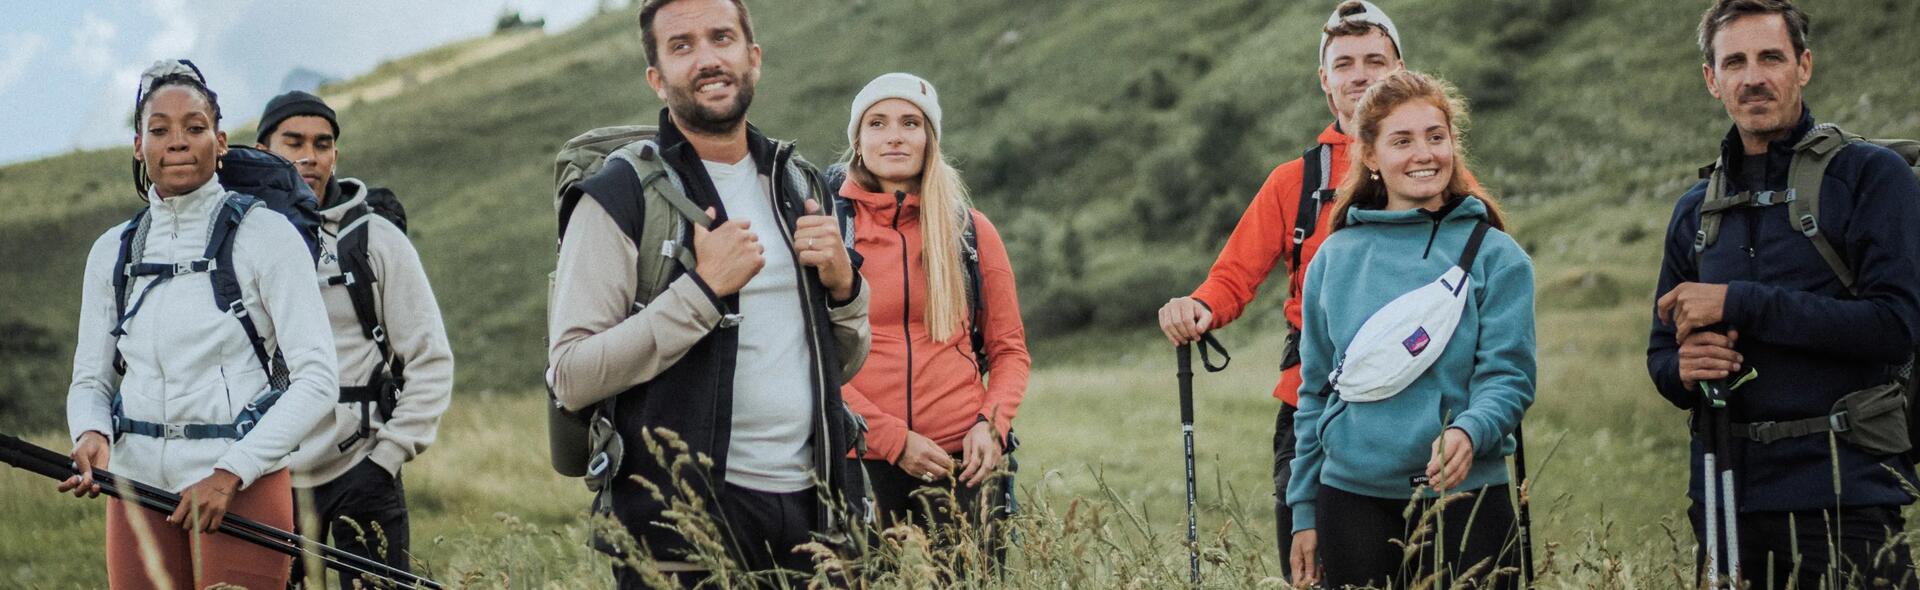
[843,209]
[133,247]
[227,295]
[1810,159]
[652,208]
[357,275]
[976,300]
[1316,172]
[1471,251]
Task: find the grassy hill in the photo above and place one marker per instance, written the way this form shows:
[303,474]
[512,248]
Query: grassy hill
[1114,144]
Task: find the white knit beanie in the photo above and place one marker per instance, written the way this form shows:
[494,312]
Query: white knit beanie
[906,87]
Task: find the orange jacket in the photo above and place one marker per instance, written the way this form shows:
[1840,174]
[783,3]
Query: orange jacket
[947,392]
[1262,241]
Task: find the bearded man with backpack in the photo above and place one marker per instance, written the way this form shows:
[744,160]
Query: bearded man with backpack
[705,314]
[1791,282]
[396,366]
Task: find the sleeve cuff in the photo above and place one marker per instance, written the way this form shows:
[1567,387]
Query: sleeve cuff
[1733,311]
[887,443]
[857,306]
[105,429]
[389,456]
[246,474]
[709,315]
[1484,437]
[704,289]
[859,288]
[1302,515]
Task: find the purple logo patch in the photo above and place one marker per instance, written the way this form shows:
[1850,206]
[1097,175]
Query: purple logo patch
[1417,343]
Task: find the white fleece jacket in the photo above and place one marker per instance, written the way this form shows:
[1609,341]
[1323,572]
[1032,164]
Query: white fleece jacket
[189,363]
[418,337]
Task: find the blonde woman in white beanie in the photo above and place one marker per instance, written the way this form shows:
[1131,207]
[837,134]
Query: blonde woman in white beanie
[949,363]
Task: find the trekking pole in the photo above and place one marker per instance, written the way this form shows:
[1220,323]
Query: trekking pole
[1525,512]
[35,459]
[1185,363]
[1723,474]
[1716,467]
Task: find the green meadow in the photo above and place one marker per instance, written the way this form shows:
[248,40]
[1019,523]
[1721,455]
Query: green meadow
[1114,144]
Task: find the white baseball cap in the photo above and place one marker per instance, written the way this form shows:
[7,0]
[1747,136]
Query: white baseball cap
[1360,11]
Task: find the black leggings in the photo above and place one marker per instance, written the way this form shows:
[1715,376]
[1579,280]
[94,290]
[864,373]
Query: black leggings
[1283,451]
[936,505]
[1357,534]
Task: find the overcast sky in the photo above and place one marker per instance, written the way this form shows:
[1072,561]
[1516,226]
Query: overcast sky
[67,69]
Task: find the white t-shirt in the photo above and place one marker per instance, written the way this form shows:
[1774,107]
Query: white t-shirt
[772,400]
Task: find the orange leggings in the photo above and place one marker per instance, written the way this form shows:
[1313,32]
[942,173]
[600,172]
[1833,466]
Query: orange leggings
[203,559]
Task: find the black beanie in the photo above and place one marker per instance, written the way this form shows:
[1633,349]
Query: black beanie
[294,104]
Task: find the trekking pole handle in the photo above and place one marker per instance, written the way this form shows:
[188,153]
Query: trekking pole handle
[1185,373]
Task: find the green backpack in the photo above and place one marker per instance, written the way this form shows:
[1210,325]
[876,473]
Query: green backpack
[1890,431]
[585,444]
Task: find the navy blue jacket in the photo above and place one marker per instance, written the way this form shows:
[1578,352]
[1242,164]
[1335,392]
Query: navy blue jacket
[1810,340]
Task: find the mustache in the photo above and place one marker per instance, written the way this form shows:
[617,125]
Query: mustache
[1757,92]
[713,76]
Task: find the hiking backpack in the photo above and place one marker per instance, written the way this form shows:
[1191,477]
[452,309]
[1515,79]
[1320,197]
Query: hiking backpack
[1810,159]
[1316,192]
[262,179]
[382,390]
[583,444]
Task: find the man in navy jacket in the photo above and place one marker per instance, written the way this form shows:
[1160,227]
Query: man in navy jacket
[1761,296]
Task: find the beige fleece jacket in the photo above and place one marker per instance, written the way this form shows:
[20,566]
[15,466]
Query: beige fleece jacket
[418,337]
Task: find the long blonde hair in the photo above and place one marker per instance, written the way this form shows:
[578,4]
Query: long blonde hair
[944,208]
[1361,189]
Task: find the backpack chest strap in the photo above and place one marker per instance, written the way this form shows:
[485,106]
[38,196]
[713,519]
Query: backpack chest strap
[249,417]
[160,272]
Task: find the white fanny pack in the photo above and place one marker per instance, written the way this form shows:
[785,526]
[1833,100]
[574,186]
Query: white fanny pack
[1401,340]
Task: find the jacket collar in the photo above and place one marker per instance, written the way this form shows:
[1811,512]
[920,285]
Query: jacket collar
[1333,135]
[1779,152]
[678,153]
[1467,207]
[347,194]
[878,201]
[195,205]
[672,140]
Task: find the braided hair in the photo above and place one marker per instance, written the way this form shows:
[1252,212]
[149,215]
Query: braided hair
[188,77]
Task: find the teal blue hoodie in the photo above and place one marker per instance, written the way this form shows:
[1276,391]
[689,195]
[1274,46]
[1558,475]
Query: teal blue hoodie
[1481,384]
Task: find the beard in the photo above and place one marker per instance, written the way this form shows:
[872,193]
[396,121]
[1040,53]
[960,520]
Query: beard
[704,120]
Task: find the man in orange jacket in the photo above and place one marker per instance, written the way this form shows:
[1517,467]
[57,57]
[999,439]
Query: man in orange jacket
[1358,46]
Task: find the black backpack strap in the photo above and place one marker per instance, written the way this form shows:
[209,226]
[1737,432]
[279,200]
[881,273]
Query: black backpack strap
[1472,250]
[976,300]
[227,294]
[356,274]
[1315,183]
[132,248]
